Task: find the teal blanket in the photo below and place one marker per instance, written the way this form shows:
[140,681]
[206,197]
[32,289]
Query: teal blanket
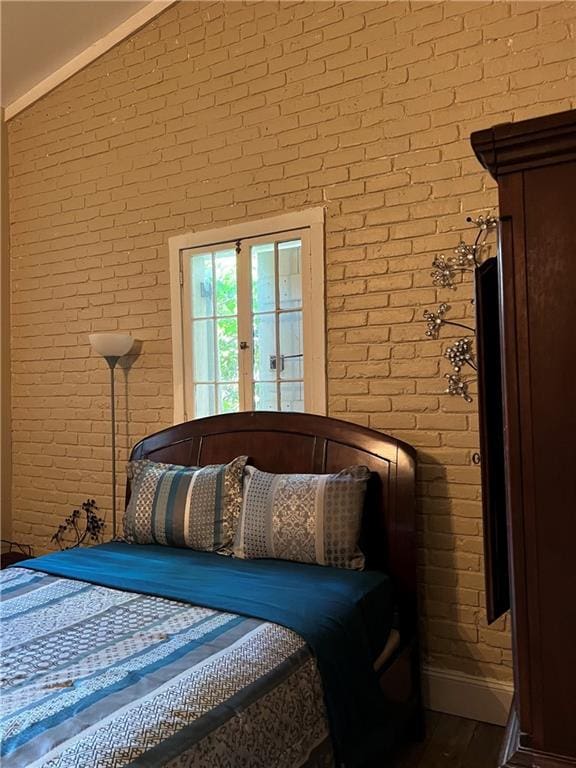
[333,610]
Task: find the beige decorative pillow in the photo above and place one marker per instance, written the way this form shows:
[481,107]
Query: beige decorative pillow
[308,518]
[193,507]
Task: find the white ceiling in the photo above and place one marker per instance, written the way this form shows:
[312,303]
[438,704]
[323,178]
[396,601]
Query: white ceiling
[40,36]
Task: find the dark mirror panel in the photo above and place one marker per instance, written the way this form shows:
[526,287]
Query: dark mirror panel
[491,419]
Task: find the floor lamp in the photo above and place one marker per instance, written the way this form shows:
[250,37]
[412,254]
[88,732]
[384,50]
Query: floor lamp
[112,346]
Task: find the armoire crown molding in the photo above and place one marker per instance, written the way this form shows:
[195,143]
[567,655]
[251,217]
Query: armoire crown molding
[512,147]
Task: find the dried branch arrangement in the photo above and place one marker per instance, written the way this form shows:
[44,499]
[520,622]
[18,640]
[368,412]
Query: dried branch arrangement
[82,524]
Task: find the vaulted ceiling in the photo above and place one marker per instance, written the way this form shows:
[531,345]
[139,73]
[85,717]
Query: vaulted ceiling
[40,36]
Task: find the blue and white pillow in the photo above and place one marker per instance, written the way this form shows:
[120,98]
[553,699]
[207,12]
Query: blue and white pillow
[307,518]
[193,507]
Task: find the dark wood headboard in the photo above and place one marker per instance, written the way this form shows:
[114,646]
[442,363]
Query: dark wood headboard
[299,442]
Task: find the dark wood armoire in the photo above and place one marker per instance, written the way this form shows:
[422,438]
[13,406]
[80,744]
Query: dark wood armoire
[534,163]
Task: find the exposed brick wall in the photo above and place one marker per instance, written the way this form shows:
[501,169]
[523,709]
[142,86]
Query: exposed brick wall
[5,431]
[221,112]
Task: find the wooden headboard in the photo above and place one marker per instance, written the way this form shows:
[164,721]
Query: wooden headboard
[299,442]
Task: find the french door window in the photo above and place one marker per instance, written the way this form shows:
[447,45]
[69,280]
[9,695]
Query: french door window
[248,310]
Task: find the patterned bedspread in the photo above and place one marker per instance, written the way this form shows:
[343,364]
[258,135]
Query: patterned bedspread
[93,676]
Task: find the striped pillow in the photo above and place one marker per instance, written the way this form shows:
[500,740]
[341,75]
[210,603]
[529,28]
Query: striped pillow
[194,507]
[308,518]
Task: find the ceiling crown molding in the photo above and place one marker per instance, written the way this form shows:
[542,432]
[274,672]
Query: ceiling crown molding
[90,54]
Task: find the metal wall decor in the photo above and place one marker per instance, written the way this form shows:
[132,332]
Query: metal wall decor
[446,270]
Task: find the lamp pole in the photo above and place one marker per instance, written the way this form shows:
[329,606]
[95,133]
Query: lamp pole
[112,360]
[112,346]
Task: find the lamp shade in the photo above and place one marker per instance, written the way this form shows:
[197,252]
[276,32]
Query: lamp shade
[111,344]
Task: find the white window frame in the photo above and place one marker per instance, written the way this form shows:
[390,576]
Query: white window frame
[313,289]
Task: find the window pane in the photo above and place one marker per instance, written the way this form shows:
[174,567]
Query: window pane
[204,400]
[264,330]
[228,398]
[202,289]
[291,346]
[292,396]
[289,274]
[203,350]
[226,298]
[265,397]
[263,278]
[227,330]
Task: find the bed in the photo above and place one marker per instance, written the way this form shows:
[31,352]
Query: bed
[143,655]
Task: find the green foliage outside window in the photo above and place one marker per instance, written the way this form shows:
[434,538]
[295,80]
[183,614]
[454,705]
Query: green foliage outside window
[227,339]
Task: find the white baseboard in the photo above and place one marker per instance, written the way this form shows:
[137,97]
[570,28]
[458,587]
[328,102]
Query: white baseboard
[474,697]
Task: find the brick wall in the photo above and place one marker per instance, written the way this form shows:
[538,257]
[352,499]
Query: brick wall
[218,112]
[5,432]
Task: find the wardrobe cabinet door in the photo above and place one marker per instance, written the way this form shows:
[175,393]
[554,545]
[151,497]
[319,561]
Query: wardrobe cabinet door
[513,303]
[548,445]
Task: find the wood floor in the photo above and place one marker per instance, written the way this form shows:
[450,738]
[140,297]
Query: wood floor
[452,742]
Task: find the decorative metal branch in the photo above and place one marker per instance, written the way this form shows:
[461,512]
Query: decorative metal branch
[457,386]
[444,272]
[92,529]
[437,319]
[460,354]
[467,257]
